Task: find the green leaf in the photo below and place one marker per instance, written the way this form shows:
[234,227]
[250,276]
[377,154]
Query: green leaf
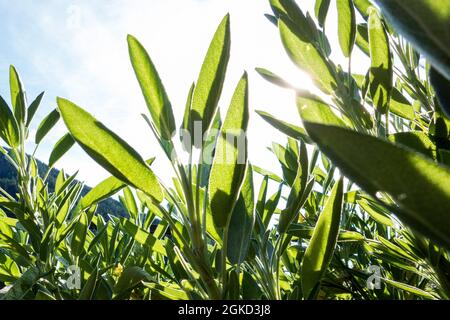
[109,150]
[167,291]
[88,291]
[288,129]
[213,232]
[381,73]
[363,7]
[34,106]
[230,160]
[212,75]
[23,286]
[18,98]
[185,129]
[275,79]
[290,10]
[271,175]
[152,88]
[376,215]
[321,10]
[102,191]
[60,149]
[441,87]
[305,232]
[270,207]
[425,24]
[320,250]
[417,141]
[9,129]
[242,221]
[46,125]
[400,106]
[130,203]
[79,235]
[313,109]
[298,194]
[411,289]
[346,26]
[143,237]
[380,167]
[262,196]
[9,271]
[306,56]
[362,38]
[129,279]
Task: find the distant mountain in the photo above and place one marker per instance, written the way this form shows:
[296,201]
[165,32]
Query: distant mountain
[8,181]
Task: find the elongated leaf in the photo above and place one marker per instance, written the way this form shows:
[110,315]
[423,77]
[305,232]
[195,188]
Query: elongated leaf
[399,104]
[213,232]
[46,125]
[425,24]
[102,191]
[303,232]
[380,167]
[109,150]
[230,160]
[321,10]
[18,98]
[9,129]
[320,250]
[291,130]
[212,75]
[378,216]
[274,78]
[130,203]
[186,135]
[79,235]
[262,196]
[270,207]
[346,26]
[143,237]
[408,288]
[152,88]
[441,86]
[167,291]
[363,7]
[267,173]
[314,109]
[130,278]
[305,55]
[380,86]
[61,147]
[362,38]
[88,291]
[298,193]
[289,9]
[23,286]
[242,222]
[9,271]
[34,106]
[417,141]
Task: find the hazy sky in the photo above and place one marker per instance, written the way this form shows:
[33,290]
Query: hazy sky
[77,49]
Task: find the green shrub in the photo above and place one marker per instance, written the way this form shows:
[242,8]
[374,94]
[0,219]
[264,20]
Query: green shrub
[213,234]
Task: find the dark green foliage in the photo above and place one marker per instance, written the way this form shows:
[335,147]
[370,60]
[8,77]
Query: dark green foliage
[8,181]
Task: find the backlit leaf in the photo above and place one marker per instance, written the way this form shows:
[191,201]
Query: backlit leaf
[109,150]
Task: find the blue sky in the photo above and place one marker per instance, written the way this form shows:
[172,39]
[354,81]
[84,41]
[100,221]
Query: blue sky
[77,49]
